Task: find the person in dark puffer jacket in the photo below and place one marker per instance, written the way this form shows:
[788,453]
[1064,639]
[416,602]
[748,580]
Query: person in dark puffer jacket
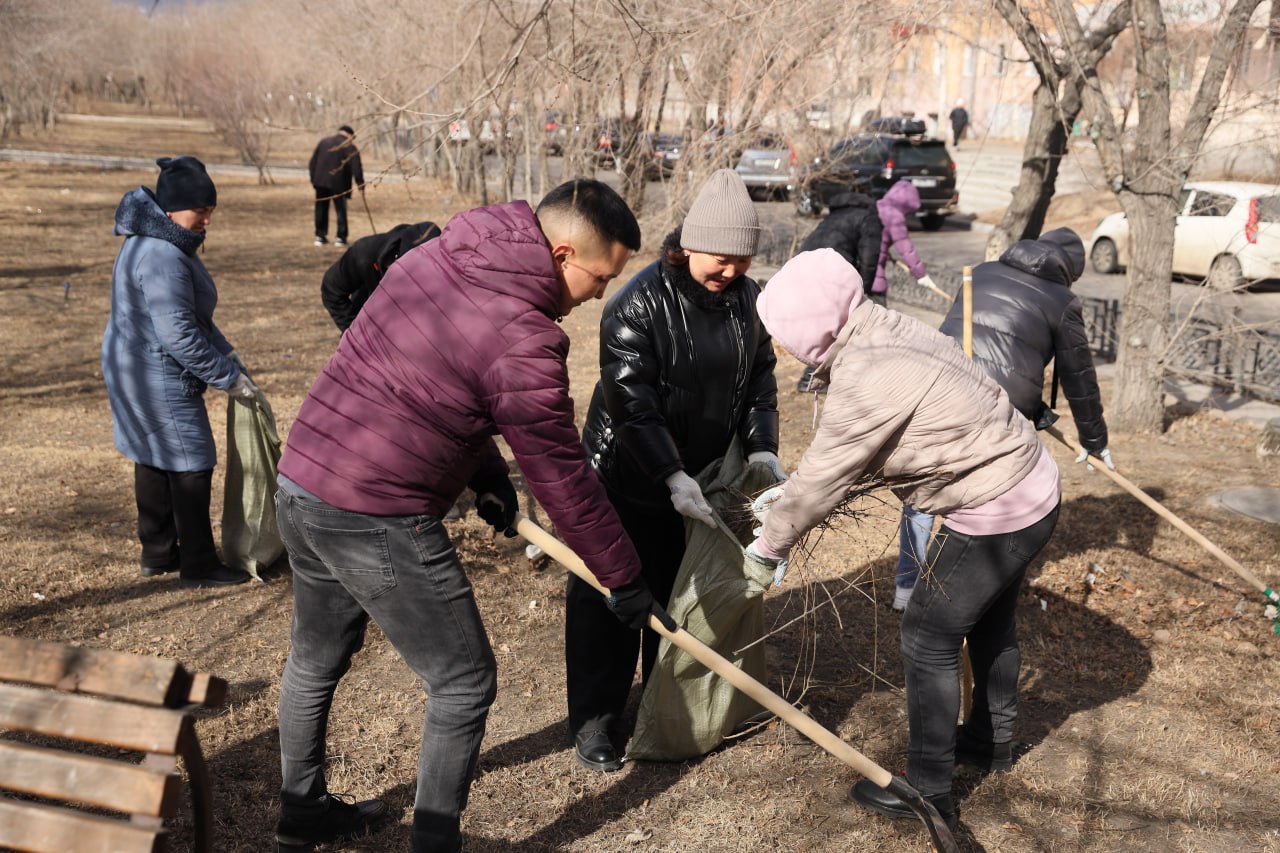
[685,367]
[1024,316]
[460,342]
[351,280]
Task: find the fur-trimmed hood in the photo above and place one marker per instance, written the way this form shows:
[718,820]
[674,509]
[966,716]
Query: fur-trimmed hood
[139,215]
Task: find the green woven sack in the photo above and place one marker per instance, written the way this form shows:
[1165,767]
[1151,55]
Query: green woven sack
[686,709]
[250,538]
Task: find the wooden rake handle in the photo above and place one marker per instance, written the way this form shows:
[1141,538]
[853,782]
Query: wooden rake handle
[704,655]
[1163,511]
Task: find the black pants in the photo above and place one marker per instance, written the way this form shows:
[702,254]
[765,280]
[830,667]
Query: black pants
[173,519]
[339,199]
[600,652]
[973,594]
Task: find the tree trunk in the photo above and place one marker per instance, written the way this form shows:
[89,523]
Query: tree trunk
[1138,402]
[1042,155]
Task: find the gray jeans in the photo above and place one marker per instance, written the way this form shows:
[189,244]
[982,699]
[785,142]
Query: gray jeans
[404,573]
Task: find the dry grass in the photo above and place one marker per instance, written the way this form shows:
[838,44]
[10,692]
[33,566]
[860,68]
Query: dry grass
[1149,703]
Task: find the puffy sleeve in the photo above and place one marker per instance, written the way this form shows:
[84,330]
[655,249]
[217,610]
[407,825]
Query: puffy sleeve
[168,288]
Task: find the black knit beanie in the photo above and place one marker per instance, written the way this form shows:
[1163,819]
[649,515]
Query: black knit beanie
[184,184]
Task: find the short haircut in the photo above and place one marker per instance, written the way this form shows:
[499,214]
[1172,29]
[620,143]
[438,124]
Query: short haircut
[598,206]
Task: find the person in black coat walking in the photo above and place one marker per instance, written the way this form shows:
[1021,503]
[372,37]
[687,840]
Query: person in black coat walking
[1024,316]
[959,122]
[685,368]
[349,283]
[335,164]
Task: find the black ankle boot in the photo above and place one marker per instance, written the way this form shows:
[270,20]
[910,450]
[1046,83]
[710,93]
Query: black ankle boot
[593,749]
[214,576]
[985,756]
[328,819]
[871,796]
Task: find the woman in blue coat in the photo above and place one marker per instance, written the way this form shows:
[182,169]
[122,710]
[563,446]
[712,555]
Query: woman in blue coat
[160,351]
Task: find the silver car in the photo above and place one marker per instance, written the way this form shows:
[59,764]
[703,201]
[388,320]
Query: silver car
[766,168]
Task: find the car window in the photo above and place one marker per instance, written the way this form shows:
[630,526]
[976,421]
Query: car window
[1269,208]
[915,156]
[1211,204]
[851,151]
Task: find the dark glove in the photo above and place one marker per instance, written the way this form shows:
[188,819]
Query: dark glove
[633,602]
[497,505]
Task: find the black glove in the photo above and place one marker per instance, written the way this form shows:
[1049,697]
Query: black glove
[633,602]
[498,504]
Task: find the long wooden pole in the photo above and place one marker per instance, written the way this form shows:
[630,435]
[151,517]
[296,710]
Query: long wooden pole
[1164,512]
[966,664]
[696,649]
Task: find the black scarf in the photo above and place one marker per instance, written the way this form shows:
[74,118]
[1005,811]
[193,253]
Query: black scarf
[678,275]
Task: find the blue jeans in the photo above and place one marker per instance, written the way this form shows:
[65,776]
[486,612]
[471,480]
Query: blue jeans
[974,597]
[405,574]
[913,545]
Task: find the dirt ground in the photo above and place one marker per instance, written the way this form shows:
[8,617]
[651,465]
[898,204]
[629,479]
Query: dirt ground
[1146,714]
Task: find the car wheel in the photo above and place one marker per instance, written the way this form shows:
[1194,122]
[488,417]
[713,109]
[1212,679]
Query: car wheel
[932,221]
[807,205]
[1225,274]
[1104,257]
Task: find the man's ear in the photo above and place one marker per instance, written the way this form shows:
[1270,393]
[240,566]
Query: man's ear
[562,250]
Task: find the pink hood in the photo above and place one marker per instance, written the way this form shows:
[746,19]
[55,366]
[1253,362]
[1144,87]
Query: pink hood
[902,197]
[808,301]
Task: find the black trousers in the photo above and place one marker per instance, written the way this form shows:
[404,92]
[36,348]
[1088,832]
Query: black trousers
[975,596]
[323,197]
[600,652]
[173,518]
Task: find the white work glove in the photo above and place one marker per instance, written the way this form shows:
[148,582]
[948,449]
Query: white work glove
[927,281]
[687,498]
[763,503]
[1103,454]
[244,388]
[770,459]
[752,553]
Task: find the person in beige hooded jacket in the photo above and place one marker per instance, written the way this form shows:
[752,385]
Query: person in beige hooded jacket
[906,405]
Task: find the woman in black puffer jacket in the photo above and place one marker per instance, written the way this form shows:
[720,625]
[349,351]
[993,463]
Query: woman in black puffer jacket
[685,366]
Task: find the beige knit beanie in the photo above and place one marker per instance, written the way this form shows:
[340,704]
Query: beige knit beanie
[723,220]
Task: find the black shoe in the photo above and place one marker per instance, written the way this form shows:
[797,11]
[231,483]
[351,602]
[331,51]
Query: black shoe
[219,575]
[156,571]
[985,757]
[331,819]
[871,796]
[594,750]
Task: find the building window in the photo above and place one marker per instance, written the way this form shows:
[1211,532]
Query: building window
[1002,60]
[913,60]
[970,61]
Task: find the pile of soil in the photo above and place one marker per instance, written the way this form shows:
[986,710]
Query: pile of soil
[1148,712]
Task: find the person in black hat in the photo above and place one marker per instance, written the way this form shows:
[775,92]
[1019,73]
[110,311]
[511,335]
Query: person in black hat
[160,352]
[349,283]
[334,165]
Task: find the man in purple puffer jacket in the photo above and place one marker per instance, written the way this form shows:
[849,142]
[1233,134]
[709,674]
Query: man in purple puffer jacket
[460,342]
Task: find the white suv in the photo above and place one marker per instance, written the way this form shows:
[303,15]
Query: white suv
[1228,233]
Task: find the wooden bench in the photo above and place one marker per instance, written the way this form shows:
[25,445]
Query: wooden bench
[122,701]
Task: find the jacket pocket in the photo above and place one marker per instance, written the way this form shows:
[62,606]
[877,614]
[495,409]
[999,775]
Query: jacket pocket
[359,558]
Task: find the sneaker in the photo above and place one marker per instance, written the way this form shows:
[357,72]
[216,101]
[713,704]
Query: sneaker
[219,575]
[331,819]
[340,243]
[902,597]
[320,241]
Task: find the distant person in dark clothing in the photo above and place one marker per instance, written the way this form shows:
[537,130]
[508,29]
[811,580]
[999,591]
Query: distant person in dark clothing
[335,164]
[351,280]
[959,121]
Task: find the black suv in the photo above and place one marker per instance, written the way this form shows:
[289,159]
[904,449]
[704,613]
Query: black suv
[871,163]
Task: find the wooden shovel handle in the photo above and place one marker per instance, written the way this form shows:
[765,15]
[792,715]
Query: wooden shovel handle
[690,644]
[1162,511]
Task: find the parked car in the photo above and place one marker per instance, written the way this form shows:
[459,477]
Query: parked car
[765,167]
[871,163]
[661,152]
[1227,233]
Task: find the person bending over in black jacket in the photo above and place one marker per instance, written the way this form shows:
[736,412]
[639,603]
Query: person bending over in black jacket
[685,367]
[853,229]
[1024,316]
[349,283]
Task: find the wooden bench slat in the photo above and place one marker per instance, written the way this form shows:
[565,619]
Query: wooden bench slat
[90,720]
[146,680]
[207,690]
[39,828]
[90,780]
